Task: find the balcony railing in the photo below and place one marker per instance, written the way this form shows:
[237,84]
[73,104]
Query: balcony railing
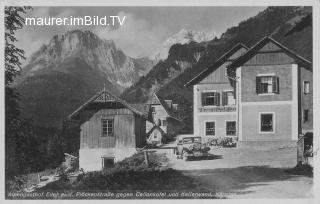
[218,109]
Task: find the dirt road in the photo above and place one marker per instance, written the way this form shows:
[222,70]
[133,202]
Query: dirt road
[240,173]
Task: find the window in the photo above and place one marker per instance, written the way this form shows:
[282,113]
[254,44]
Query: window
[190,140]
[228,98]
[153,109]
[107,162]
[231,128]
[164,123]
[155,134]
[266,122]
[306,87]
[210,128]
[107,127]
[267,84]
[306,115]
[210,99]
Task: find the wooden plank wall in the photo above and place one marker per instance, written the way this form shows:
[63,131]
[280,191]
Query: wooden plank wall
[270,54]
[237,54]
[91,131]
[219,75]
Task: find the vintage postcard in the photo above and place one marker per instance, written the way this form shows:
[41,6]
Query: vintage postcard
[158,100]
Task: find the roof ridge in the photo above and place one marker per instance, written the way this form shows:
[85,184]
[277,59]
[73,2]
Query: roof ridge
[256,46]
[104,91]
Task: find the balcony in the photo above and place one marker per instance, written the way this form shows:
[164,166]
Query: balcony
[217,109]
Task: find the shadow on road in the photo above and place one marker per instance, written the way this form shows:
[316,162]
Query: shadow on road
[240,180]
[210,157]
[165,147]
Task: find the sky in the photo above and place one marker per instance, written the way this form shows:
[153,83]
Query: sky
[144,28]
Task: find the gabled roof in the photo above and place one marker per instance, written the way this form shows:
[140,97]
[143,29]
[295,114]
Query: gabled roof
[155,127]
[105,96]
[252,51]
[216,65]
[143,108]
[155,100]
[169,111]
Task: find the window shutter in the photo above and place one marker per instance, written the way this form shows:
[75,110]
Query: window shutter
[203,99]
[274,84]
[224,97]
[217,99]
[258,82]
[278,85]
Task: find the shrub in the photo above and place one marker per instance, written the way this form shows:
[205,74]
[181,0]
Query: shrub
[222,141]
[302,169]
[130,174]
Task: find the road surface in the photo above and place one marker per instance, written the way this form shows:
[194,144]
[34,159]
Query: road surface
[243,173]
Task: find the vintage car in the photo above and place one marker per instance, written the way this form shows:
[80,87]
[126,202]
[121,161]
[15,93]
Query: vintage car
[190,146]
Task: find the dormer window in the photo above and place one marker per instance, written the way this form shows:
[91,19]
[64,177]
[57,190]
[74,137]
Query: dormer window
[267,84]
[164,122]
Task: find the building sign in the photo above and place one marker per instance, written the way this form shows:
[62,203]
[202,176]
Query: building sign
[218,109]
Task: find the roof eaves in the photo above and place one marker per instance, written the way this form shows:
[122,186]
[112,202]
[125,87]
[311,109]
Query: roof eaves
[72,115]
[217,63]
[85,104]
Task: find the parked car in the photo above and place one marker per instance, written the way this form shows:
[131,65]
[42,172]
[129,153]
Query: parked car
[190,146]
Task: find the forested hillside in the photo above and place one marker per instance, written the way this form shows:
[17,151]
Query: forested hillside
[186,61]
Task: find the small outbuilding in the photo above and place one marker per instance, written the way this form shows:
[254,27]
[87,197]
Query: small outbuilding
[110,130]
[156,135]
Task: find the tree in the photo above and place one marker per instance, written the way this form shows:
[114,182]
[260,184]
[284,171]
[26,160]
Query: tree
[13,56]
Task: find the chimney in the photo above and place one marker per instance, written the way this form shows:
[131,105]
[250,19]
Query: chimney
[169,103]
[175,107]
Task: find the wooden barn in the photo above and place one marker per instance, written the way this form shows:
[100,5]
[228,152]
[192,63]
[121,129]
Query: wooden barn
[110,130]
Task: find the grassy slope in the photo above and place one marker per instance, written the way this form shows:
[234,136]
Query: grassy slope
[131,174]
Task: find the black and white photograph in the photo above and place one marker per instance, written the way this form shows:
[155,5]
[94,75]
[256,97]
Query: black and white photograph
[150,101]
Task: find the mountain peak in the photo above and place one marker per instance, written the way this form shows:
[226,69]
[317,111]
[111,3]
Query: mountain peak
[193,35]
[68,70]
[99,54]
[184,36]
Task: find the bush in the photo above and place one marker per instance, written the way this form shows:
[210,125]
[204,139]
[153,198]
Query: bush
[130,174]
[16,183]
[302,169]
[222,141]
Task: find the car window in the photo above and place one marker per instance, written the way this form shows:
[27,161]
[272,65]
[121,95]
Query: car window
[197,139]
[187,140]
